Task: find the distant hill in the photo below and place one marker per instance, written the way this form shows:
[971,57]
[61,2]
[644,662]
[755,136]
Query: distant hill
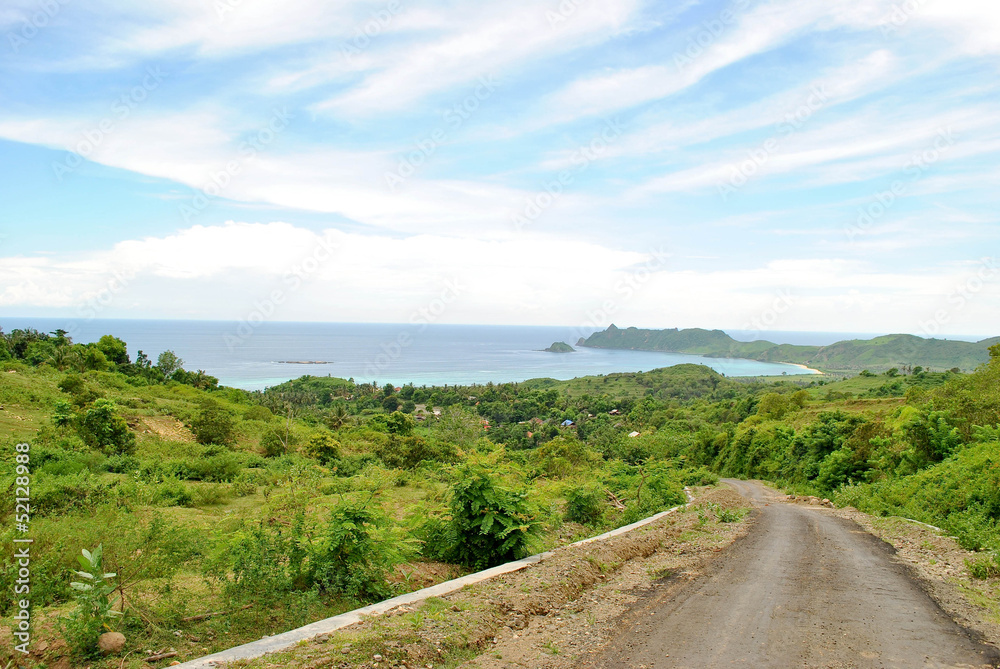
[876,354]
[560,347]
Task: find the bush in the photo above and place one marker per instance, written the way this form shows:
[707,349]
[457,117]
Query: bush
[492,523]
[272,443]
[173,492]
[258,412]
[983,567]
[102,428]
[245,484]
[323,447]
[121,464]
[437,539]
[210,494]
[585,505]
[214,425]
[222,468]
[94,610]
[349,559]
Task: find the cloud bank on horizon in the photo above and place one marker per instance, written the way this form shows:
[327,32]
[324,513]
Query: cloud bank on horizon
[747,164]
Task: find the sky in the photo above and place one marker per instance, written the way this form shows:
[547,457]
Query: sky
[743,164]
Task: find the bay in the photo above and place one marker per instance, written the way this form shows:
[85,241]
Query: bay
[265,354]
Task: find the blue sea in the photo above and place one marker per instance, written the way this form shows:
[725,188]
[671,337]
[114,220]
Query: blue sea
[254,357]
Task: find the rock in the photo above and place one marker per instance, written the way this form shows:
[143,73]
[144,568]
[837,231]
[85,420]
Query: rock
[111,643]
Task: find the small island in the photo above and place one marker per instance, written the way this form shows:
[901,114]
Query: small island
[560,347]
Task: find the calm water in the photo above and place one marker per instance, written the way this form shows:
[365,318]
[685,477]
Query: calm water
[254,358]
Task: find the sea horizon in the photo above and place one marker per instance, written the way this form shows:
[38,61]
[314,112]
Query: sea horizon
[257,356]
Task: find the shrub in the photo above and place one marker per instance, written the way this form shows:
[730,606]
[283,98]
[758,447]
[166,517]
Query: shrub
[585,505]
[272,443]
[173,492]
[323,447]
[349,559]
[731,515]
[102,428]
[214,425]
[437,538]
[983,567]
[94,611]
[223,467]
[258,412]
[493,523]
[245,484]
[210,494]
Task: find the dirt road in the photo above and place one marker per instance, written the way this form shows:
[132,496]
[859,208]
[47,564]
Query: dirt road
[803,589]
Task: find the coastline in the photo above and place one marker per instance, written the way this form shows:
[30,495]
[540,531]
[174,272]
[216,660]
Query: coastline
[808,369]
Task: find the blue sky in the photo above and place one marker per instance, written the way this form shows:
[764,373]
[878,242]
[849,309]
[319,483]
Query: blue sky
[787,165]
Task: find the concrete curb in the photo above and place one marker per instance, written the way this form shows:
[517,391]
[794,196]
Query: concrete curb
[286,640]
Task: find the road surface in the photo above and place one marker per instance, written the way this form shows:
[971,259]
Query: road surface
[803,589]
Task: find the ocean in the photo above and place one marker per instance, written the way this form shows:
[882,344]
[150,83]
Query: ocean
[266,354]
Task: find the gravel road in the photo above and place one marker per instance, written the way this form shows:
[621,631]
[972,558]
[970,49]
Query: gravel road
[803,589]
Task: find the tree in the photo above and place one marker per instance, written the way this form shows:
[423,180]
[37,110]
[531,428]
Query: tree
[114,349]
[95,359]
[168,363]
[772,405]
[101,427]
[337,416]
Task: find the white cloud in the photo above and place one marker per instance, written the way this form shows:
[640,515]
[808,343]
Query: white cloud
[232,270]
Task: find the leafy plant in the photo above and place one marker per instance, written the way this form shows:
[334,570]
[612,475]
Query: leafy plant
[94,606]
[493,523]
[585,505]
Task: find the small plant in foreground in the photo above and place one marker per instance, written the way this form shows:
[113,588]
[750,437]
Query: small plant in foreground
[94,606]
[983,567]
[731,515]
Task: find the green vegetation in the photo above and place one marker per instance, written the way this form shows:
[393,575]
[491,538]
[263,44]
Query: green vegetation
[880,353]
[560,347]
[226,514]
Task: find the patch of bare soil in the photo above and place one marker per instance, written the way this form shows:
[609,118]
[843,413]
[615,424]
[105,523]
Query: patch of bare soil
[166,427]
[545,615]
[941,566]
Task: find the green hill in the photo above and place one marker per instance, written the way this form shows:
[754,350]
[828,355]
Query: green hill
[880,353]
